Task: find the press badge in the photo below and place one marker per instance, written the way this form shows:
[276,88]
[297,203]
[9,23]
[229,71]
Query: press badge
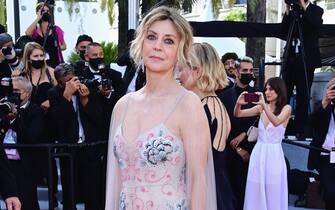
[332,155]
[47,56]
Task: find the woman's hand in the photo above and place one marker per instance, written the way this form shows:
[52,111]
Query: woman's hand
[237,140]
[261,100]
[45,105]
[39,14]
[241,100]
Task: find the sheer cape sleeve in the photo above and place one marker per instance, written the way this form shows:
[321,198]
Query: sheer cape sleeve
[200,179]
[113,179]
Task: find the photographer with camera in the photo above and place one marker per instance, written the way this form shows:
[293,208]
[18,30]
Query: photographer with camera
[302,55]
[323,124]
[9,61]
[78,117]
[50,36]
[81,44]
[23,125]
[106,82]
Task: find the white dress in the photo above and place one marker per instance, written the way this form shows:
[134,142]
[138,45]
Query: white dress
[267,175]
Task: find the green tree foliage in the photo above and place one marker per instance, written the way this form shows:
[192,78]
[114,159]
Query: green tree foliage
[236,15]
[104,4]
[110,52]
[2,12]
[185,5]
[73,57]
[109,5]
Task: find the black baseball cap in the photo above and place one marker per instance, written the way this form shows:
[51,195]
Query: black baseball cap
[82,38]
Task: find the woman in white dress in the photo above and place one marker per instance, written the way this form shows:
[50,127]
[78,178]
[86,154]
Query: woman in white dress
[267,175]
[159,153]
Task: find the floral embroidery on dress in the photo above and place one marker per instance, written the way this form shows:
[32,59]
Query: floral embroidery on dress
[117,156]
[122,205]
[182,205]
[156,150]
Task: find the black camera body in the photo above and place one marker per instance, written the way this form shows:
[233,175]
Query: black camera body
[91,84]
[11,100]
[106,83]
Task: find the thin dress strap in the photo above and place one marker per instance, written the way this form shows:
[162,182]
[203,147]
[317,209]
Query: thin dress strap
[126,109]
[174,106]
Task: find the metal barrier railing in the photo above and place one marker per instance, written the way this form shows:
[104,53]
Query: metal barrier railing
[53,154]
[300,144]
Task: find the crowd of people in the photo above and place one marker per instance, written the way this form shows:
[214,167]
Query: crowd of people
[177,123]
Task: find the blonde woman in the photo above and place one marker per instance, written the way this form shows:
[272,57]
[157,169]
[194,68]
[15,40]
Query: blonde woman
[40,75]
[159,148]
[203,75]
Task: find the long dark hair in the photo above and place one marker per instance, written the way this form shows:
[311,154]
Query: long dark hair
[278,85]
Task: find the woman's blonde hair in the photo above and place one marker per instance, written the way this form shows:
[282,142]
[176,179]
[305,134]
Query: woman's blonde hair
[182,27]
[213,76]
[28,50]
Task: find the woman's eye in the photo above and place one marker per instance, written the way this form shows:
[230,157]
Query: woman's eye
[169,41]
[151,37]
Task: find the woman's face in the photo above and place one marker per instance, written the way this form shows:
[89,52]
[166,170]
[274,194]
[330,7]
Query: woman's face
[270,94]
[186,77]
[36,54]
[160,47]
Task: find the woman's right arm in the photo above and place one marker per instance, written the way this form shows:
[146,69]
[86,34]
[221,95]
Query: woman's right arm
[238,112]
[32,27]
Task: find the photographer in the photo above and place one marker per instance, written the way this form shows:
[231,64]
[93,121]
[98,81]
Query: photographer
[8,187]
[82,42]
[9,62]
[78,116]
[294,74]
[110,84]
[23,126]
[323,124]
[50,36]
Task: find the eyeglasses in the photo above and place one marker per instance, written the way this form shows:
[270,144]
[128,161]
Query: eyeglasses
[231,62]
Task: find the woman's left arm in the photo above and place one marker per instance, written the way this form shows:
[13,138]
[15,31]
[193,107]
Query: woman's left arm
[60,35]
[279,119]
[195,134]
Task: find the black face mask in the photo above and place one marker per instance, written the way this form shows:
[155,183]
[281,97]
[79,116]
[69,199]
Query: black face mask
[95,62]
[37,64]
[46,17]
[246,78]
[82,54]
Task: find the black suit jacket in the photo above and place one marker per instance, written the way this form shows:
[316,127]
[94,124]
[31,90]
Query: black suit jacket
[320,120]
[311,21]
[238,125]
[28,126]
[65,117]
[126,60]
[108,103]
[7,181]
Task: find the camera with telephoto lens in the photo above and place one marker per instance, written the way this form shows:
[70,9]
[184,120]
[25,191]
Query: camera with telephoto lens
[93,84]
[106,83]
[11,100]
